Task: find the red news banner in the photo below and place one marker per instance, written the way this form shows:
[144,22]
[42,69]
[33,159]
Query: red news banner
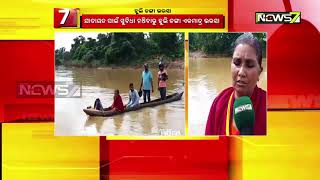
[152,21]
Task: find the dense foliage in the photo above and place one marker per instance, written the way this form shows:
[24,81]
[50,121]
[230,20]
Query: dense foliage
[219,43]
[121,49]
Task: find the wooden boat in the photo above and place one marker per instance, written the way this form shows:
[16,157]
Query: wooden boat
[156,102]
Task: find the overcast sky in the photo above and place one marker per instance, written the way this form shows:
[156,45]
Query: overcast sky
[65,39]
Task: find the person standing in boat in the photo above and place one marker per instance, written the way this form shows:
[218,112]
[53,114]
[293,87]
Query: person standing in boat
[162,78]
[133,97]
[146,83]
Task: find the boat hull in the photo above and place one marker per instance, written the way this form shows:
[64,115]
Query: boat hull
[156,102]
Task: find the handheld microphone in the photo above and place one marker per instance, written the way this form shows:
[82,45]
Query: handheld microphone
[243,114]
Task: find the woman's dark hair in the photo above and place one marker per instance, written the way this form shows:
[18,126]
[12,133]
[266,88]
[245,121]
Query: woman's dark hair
[251,40]
[131,84]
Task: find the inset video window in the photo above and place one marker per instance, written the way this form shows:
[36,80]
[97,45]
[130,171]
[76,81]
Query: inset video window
[119,84]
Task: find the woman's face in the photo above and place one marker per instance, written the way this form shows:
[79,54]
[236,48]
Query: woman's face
[116,93]
[245,70]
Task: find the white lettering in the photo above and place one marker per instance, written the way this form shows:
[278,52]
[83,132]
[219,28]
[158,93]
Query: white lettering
[243,108]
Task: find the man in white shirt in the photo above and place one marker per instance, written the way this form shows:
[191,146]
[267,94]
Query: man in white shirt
[133,97]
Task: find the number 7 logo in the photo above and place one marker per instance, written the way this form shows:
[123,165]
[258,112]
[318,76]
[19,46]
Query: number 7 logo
[64,17]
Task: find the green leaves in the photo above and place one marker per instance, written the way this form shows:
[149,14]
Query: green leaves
[218,43]
[121,49]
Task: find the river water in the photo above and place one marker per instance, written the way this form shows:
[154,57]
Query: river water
[207,78]
[167,119]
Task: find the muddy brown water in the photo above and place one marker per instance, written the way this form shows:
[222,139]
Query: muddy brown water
[100,83]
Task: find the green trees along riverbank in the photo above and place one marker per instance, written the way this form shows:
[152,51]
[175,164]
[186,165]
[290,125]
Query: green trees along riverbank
[219,44]
[122,49]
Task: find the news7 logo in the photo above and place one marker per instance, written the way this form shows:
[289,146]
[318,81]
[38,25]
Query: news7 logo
[278,17]
[65,17]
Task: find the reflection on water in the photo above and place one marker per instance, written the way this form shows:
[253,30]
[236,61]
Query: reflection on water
[100,83]
[207,78]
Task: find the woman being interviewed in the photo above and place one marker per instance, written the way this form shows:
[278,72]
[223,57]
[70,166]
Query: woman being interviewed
[245,69]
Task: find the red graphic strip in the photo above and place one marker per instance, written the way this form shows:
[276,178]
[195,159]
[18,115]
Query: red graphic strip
[165,159]
[25,61]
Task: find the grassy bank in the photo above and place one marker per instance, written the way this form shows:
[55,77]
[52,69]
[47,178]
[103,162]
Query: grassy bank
[171,64]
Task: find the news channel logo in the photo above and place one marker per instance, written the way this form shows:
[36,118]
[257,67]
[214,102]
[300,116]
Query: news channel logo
[66,17]
[278,17]
[48,89]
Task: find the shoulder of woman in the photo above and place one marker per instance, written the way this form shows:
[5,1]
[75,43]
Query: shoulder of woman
[226,92]
[223,97]
[261,92]
[216,113]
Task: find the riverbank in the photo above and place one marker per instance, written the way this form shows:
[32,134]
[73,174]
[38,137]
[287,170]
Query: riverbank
[201,54]
[176,64]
